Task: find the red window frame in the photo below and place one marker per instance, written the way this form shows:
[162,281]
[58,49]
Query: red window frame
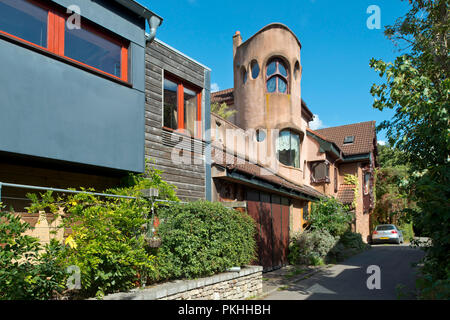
[56,27]
[180,104]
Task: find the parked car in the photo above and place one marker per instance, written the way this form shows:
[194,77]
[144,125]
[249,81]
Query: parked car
[387,233]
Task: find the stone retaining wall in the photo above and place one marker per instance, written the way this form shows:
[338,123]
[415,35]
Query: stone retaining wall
[225,286]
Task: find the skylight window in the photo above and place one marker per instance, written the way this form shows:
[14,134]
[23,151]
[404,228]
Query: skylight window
[349,139]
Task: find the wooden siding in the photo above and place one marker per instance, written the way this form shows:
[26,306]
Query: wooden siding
[160,143]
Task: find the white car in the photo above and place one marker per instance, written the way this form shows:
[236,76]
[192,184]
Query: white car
[387,233]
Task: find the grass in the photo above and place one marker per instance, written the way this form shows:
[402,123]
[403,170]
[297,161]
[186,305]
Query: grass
[283,288]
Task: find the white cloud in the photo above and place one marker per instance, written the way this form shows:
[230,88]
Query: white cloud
[316,123]
[215,87]
[381,142]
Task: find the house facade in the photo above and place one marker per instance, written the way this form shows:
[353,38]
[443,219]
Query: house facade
[267,160]
[83,96]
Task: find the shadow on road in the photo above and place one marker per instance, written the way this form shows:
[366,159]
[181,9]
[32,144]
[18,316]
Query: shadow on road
[348,279]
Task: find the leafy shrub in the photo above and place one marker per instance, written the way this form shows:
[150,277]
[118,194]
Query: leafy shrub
[349,244]
[311,247]
[331,215]
[27,271]
[107,243]
[202,238]
[408,232]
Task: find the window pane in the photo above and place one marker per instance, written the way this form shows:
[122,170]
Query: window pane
[24,20]
[190,111]
[295,147]
[271,68]
[282,86]
[170,105]
[284,147]
[89,48]
[282,69]
[272,84]
[255,69]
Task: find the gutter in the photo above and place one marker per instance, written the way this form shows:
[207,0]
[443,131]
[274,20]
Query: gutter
[154,20]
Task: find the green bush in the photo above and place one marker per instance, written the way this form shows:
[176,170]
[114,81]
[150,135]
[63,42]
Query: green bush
[107,243]
[202,238]
[311,247]
[331,215]
[27,271]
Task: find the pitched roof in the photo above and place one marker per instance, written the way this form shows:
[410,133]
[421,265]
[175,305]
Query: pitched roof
[364,133]
[346,193]
[222,96]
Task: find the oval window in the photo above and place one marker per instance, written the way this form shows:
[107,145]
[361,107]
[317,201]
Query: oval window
[255,69]
[244,75]
[296,70]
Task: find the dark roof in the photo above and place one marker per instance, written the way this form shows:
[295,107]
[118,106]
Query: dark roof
[222,96]
[346,193]
[364,133]
[267,175]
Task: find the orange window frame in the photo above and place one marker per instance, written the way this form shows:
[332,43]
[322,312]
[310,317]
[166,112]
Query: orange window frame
[180,105]
[56,24]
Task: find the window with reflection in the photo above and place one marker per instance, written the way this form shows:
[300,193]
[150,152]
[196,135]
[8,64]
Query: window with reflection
[277,76]
[170,104]
[25,20]
[182,107]
[88,47]
[288,148]
[320,172]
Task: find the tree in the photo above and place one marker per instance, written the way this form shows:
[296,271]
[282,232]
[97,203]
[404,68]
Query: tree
[417,87]
[222,110]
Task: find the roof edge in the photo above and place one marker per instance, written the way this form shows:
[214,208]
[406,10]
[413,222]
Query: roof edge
[273,25]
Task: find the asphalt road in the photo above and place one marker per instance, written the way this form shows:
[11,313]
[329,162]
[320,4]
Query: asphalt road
[348,280]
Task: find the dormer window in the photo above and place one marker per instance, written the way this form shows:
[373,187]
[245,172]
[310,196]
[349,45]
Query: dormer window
[277,76]
[349,139]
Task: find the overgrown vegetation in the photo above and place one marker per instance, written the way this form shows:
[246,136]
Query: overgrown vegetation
[27,270]
[109,244]
[329,238]
[417,87]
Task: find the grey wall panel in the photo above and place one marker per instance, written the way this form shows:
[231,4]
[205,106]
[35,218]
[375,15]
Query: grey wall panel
[54,110]
[111,16]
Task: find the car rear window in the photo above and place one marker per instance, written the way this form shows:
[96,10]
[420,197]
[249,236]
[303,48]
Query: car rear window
[382,228]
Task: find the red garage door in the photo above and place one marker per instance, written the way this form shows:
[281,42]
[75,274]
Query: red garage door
[271,214]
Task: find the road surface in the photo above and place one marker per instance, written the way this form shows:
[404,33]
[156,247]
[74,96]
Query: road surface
[348,280]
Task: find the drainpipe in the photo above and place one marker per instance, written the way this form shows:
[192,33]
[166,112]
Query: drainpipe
[154,22]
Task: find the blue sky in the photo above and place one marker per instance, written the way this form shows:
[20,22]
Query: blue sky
[336,46]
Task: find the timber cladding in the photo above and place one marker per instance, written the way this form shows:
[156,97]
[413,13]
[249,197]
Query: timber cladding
[189,175]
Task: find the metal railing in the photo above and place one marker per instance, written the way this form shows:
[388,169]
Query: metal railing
[23,186]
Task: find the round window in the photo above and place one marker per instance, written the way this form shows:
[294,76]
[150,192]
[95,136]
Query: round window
[260,135]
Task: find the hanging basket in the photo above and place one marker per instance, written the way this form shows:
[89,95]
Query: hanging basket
[153,242]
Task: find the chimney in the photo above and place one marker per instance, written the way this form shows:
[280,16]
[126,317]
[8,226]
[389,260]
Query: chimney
[237,40]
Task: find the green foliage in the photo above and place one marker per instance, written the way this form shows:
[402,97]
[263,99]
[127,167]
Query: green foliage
[222,110]
[311,247]
[27,271]
[408,231]
[331,215]
[202,238]
[107,243]
[416,85]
